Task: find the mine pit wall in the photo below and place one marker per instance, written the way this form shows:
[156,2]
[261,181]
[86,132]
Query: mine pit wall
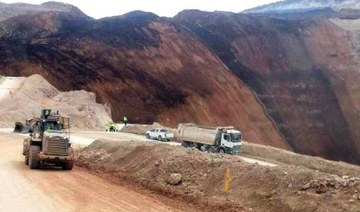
[162,74]
[303,71]
[297,68]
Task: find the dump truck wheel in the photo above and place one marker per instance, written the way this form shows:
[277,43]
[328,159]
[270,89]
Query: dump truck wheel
[212,149]
[221,151]
[34,163]
[160,138]
[147,136]
[26,160]
[68,165]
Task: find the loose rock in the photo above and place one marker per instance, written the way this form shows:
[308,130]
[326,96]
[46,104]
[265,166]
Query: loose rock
[174,179]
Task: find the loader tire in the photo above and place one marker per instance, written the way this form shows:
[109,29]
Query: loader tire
[222,151]
[34,162]
[68,165]
[26,159]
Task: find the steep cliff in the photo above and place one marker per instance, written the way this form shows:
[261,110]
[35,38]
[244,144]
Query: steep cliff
[303,70]
[287,80]
[143,66]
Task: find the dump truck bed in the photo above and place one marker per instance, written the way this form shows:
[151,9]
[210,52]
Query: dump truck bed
[197,134]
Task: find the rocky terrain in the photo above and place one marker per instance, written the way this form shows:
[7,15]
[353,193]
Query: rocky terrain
[304,71]
[303,5]
[17,9]
[198,178]
[142,66]
[287,81]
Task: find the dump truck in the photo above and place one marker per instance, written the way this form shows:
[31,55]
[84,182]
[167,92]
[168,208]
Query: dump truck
[212,139]
[49,141]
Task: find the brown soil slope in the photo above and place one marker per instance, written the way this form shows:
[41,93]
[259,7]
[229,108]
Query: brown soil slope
[143,66]
[304,72]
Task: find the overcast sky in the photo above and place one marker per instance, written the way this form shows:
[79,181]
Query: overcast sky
[169,8]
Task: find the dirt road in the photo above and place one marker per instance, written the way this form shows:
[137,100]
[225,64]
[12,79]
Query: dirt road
[85,138]
[82,139]
[23,189]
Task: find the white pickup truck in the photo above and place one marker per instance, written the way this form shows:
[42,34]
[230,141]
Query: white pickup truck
[160,134]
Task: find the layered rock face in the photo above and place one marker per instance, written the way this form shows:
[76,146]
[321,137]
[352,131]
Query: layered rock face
[287,81]
[143,66]
[305,72]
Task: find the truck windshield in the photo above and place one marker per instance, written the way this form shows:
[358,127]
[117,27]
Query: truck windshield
[53,126]
[235,137]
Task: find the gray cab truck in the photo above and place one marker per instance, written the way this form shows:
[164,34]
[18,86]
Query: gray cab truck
[212,139]
[49,141]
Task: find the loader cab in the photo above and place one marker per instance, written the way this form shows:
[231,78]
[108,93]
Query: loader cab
[52,126]
[42,127]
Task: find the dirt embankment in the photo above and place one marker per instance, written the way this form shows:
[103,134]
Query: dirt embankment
[315,163]
[198,178]
[23,98]
[273,154]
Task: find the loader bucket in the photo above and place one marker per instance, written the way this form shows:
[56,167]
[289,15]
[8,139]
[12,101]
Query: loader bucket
[19,127]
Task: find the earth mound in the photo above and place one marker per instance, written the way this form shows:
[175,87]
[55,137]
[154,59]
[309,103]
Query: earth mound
[198,178]
[23,98]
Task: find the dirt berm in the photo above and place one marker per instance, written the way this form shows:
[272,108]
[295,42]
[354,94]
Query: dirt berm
[272,154]
[197,178]
[316,163]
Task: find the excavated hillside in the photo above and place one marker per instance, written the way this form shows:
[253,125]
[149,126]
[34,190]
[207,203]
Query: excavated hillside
[11,10]
[289,82]
[143,66]
[305,72]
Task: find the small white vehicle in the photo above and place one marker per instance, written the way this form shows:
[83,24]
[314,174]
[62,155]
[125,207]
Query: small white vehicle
[160,134]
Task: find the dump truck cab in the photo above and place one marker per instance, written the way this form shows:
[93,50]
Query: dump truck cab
[230,141]
[49,142]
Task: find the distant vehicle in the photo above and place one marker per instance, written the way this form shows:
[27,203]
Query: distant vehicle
[212,139]
[113,127]
[160,134]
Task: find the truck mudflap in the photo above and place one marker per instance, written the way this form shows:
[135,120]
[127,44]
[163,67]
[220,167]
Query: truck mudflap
[44,157]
